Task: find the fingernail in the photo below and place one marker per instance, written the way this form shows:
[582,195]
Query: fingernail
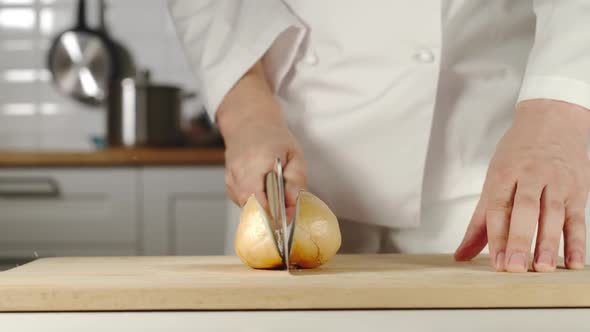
[575,261]
[293,192]
[500,261]
[517,262]
[460,247]
[545,258]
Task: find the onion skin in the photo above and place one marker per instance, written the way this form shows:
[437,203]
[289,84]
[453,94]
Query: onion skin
[316,237]
[317,233]
[254,242]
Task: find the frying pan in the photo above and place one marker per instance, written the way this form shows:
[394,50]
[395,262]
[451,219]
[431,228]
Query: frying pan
[81,61]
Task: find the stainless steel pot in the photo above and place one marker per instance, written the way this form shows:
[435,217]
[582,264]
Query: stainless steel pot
[140,113]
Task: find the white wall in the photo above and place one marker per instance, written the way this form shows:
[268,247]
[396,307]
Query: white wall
[33,115]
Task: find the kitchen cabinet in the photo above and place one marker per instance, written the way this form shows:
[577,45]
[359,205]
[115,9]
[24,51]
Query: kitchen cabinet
[111,211]
[51,212]
[184,211]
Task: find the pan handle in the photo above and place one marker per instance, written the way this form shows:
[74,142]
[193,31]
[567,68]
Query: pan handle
[82,24]
[101,16]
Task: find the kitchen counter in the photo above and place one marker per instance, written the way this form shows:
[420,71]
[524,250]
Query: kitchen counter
[114,157]
[571,320]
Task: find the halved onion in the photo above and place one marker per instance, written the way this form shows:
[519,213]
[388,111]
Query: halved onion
[316,238]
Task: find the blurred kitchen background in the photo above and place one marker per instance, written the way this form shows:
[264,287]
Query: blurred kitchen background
[64,190]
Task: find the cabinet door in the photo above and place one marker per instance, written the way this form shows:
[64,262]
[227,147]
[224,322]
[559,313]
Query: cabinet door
[184,211]
[49,212]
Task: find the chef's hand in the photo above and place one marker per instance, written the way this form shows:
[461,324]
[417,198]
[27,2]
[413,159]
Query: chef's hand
[538,177]
[255,133]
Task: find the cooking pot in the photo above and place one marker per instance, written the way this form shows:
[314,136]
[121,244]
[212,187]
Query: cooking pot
[141,113]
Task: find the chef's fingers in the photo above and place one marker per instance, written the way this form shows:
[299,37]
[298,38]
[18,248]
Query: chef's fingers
[230,187]
[290,213]
[475,238]
[550,228]
[523,223]
[241,196]
[574,231]
[251,181]
[295,174]
[498,210]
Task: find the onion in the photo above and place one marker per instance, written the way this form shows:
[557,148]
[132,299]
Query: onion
[316,237]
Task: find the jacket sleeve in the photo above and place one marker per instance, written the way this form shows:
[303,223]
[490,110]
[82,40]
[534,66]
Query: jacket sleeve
[559,63]
[223,39]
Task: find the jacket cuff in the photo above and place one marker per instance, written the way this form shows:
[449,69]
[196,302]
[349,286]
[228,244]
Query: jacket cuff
[280,39]
[557,88]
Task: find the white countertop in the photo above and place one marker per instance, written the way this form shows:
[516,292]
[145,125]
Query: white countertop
[537,320]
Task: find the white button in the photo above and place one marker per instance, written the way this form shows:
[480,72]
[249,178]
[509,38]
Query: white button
[424,56]
[311,59]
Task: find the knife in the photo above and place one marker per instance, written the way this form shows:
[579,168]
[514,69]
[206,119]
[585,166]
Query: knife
[275,193]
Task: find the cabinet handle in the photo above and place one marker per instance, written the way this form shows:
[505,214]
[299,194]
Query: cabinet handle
[29,188]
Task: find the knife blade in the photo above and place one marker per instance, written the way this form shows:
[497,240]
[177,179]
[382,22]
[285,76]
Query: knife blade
[275,192]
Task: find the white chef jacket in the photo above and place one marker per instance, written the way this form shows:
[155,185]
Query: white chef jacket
[398,105]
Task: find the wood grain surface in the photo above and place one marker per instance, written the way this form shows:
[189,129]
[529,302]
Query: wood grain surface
[224,283]
[114,157]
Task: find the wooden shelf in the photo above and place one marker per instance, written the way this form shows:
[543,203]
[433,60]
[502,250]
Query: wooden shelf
[114,157]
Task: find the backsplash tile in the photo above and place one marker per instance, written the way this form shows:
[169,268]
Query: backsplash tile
[21,141]
[33,114]
[19,118]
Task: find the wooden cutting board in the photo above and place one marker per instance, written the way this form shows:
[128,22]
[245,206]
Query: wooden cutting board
[347,282]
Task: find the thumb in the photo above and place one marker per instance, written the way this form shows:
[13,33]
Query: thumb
[476,235]
[295,174]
